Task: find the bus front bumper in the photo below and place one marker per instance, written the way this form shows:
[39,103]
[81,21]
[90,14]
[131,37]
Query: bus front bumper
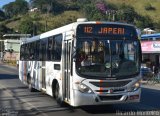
[81,99]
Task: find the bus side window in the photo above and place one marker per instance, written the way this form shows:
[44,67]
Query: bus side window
[49,49]
[43,49]
[57,47]
[31,55]
[27,52]
[37,50]
[22,53]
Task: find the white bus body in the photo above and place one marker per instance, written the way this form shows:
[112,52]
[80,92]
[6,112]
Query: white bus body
[48,62]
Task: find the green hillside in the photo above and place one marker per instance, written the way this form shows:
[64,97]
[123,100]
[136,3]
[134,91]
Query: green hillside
[142,13]
[47,21]
[139,6]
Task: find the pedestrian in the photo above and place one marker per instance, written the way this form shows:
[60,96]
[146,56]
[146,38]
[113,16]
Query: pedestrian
[155,69]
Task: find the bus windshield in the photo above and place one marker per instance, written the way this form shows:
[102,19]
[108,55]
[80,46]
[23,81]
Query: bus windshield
[107,58]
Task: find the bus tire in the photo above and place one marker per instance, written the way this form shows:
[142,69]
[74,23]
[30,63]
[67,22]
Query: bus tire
[31,89]
[56,95]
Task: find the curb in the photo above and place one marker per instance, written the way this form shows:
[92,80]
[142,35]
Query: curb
[11,66]
[150,86]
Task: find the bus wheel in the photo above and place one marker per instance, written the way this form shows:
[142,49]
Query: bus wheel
[57,96]
[30,84]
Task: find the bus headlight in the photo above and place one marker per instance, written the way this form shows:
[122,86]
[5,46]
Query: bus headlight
[84,88]
[135,86]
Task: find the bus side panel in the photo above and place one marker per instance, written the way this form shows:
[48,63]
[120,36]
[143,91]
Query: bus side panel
[35,72]
[49,77]
[52,72]
[23,71]
[20,70]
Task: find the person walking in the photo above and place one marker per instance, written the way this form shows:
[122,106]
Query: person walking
[155,70]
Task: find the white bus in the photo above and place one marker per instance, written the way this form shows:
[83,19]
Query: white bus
[84,63]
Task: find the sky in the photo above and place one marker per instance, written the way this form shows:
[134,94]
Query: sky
[3,2]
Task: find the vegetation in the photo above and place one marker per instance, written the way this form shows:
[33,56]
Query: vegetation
[15,8]
[2,15]
[4,29]
[50,14]
[148,7]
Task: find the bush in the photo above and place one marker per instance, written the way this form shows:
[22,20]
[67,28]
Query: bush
[144,21]
[149,7]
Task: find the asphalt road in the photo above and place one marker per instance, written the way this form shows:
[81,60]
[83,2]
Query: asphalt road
[16,100]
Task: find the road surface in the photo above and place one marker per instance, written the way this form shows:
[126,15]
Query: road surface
[16,100]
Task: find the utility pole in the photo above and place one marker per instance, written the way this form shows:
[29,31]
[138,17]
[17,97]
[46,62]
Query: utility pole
[45,25]
[1,47]
[111,14]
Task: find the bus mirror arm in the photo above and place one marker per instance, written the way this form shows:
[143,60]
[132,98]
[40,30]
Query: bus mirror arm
[73,55]
[73,59]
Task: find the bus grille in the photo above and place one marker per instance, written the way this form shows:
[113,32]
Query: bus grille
[105,98]
[114,90]
[111,83]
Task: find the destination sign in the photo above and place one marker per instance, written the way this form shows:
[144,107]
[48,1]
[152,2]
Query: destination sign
[105,29]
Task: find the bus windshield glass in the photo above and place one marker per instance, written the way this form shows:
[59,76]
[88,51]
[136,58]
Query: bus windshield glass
[107,57]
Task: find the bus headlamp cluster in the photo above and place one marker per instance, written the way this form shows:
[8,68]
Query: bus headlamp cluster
[135,86]
[84,88]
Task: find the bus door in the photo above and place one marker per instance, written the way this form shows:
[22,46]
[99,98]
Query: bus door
[67,70]
[43,63]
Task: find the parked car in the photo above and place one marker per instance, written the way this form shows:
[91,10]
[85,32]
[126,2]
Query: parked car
[146,72]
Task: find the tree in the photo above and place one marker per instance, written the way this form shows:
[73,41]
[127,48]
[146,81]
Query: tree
[101,6]
[40,4]
[144,22]
[128,13]
[8,8]
[157,26]
[4,30]
[22,6]
[26,26]
[15,8]
[30,26]
[93,11]
[2,15]
[148,7]
[48,6]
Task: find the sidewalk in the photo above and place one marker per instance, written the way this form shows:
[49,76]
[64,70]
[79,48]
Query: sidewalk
[5,64]
[151,86]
